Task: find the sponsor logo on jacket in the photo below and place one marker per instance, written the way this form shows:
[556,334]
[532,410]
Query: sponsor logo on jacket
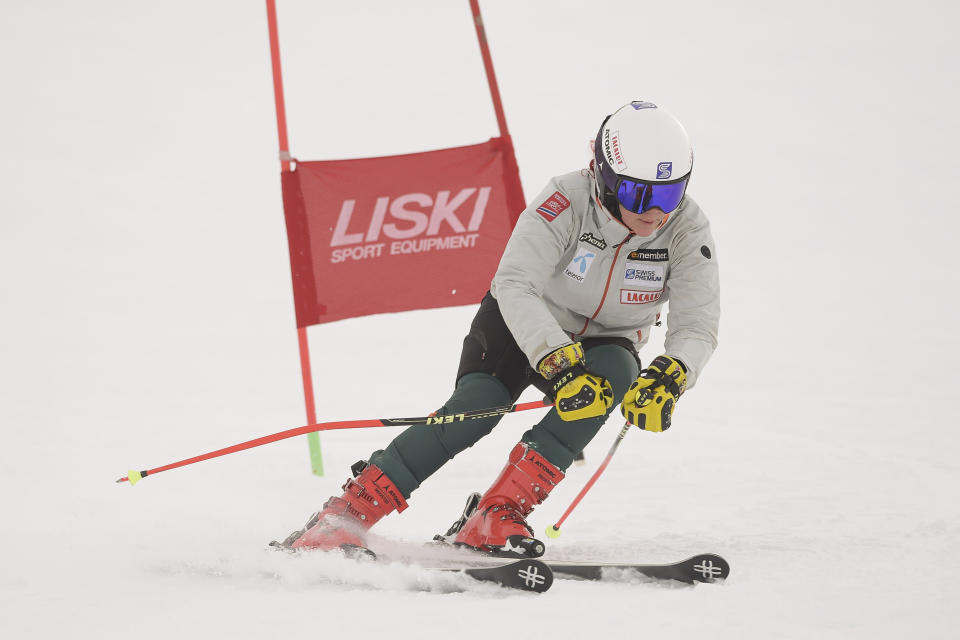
[649,255]
[628,296]
[649,276]
[553,206]
[580,265]
[589,238]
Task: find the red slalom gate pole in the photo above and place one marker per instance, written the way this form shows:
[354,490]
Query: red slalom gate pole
[488,66]
[133,477]
[515,199]
[313,440]
[553,531]
[278,85]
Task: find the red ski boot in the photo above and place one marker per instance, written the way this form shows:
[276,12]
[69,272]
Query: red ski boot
[497,525]
[344,520]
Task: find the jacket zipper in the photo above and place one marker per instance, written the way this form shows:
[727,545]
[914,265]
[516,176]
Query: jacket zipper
[605,288]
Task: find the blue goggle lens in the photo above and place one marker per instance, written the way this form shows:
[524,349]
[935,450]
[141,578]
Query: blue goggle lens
[641,196]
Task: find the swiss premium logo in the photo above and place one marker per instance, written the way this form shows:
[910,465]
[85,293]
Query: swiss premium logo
[647,276]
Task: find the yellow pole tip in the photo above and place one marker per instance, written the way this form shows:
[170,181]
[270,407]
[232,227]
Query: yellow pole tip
[553,532]
[134,477]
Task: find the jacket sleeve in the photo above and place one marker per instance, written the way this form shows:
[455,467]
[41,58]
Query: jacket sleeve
[693,286]
[532,255]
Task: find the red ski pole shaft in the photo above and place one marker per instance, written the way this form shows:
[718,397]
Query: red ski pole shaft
[554,530]
[134,477]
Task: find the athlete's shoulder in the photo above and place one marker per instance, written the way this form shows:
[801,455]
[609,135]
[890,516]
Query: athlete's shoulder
[575,183]
[689,231]
[564,196]
[692,211]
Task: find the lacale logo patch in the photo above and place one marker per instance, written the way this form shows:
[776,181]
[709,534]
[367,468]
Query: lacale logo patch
[580,265]
[589,238]
[664,170]
[646,276]
[639,297]
[642,104]
[553,206]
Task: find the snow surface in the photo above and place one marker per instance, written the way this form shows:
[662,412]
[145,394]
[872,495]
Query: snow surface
[147,316]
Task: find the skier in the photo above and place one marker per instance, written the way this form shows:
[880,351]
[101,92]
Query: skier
[581,281]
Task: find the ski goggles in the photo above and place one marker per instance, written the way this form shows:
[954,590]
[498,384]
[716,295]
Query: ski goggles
[640,195]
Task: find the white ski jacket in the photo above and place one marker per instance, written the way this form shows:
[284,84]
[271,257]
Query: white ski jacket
[571,270]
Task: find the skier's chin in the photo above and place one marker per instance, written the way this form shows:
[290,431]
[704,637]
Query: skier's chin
[642,227]
[643,230]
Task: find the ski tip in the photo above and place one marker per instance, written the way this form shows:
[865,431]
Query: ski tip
[553,531]
[525,575]
[709,567]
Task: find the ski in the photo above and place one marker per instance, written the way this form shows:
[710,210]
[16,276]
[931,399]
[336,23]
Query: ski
[706,567]
[525,575]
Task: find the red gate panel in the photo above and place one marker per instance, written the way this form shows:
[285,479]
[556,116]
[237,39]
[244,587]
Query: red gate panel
[396,233]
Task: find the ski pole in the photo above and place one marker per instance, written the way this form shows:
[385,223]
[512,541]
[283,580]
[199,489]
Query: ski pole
[553,531]
[133,477]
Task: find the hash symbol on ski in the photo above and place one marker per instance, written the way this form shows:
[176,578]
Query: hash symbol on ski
[708,570]
[527,575]
[531,576]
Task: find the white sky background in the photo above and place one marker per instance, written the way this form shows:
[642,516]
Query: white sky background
[147,310]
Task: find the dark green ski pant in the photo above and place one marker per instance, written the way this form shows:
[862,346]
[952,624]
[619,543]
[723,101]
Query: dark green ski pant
[419,451]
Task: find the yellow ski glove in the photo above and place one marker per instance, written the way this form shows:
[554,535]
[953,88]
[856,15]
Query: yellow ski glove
[577,392]
[650,400]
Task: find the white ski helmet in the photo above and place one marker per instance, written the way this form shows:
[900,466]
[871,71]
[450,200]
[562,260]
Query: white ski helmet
[642,159]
